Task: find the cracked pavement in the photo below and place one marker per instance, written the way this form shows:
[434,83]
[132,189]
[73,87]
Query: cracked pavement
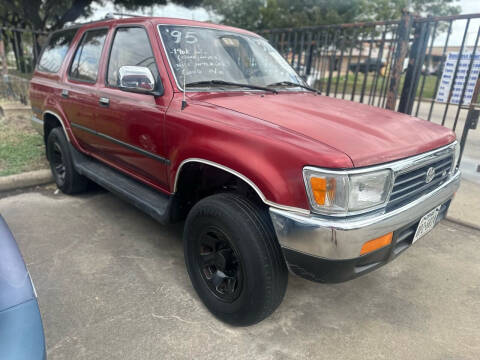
[112,284]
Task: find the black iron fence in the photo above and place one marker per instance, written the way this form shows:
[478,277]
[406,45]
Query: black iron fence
[427,67]
[454,83]
[337,59]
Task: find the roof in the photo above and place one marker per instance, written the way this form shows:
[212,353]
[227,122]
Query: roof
[161,20]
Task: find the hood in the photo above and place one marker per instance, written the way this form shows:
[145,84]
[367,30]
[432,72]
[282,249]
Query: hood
[367,134]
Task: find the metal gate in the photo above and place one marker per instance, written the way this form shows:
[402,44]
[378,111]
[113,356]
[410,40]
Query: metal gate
[402,65]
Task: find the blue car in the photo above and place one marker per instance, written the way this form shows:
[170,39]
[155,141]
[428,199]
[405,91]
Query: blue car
[21,330]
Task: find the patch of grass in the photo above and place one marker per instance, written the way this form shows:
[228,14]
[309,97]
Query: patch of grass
[21,147]
[428,90]
[350,84]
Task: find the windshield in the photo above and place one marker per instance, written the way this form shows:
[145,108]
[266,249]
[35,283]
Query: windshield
[199,55]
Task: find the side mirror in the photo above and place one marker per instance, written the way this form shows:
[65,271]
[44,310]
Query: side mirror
[137,79]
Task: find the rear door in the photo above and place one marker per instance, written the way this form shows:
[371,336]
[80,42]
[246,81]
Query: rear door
[79,97]
[130,124]
[47,80]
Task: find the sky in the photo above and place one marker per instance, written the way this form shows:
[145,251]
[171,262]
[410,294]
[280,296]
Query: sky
[470,6]
[458,27]
[170,10]
[200,14]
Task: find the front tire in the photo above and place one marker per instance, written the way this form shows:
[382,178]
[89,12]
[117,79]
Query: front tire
[234,260]
[68,180]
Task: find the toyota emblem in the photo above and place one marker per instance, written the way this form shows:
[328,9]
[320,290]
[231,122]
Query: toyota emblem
[430,175]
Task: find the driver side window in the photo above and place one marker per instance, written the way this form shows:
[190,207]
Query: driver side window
[131,47]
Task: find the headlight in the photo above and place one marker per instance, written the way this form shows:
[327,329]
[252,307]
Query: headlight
[342,193]
[369,189]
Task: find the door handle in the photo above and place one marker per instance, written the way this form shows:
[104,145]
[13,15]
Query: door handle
[65,93]
[104,101]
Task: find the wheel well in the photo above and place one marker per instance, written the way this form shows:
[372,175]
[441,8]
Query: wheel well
[198,180]
[50,122]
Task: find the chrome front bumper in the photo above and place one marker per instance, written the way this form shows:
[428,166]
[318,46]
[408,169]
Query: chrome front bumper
[341,239]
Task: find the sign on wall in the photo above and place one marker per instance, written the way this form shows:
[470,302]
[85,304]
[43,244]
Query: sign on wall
[447,77]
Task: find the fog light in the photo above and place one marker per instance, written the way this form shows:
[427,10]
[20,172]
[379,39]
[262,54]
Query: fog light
[377,243]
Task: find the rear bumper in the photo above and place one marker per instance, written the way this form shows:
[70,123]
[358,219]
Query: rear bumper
[327,250]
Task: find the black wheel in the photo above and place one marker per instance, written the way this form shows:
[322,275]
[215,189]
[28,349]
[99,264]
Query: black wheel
[61,163]
[234,260]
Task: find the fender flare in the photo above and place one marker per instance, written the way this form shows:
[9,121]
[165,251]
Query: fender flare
[240,176]
[59,119]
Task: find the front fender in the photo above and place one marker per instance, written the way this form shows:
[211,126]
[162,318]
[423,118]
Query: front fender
[265,156]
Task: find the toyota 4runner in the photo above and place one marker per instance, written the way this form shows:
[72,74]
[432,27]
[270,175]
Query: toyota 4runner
[208,123]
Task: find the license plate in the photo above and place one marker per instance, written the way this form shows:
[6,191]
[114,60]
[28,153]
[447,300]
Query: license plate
[426,224]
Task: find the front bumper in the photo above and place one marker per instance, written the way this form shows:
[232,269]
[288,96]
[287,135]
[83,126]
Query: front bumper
[327,249]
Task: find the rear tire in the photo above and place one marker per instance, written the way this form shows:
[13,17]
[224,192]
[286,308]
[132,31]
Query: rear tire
[234,260]
[68,180]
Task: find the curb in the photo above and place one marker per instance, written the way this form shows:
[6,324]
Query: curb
[463,223]
[27,179]
[5,109]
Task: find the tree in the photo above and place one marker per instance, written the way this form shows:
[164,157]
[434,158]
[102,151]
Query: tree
[54,14]
[268,14]
[391,10]
[47,15]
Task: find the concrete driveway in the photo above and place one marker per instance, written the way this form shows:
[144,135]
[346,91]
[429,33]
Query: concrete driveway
[112,285]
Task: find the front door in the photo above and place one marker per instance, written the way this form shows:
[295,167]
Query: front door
[129,124]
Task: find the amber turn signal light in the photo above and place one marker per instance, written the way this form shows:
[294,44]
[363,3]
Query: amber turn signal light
[323,190]
[377,243]
[319,189]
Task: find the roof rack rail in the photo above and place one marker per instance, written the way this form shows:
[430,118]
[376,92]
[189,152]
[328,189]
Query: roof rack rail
[108,16]
[111,15]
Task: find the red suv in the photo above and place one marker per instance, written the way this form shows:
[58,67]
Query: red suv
[196,121]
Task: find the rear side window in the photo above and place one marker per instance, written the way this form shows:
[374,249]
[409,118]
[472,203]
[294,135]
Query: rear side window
[54,53]
[130,47]
[87,56]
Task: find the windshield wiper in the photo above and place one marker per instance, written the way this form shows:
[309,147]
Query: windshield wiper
[289,83]
[228,83]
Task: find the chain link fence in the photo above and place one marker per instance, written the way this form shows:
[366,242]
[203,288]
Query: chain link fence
[19,51]
[14,89]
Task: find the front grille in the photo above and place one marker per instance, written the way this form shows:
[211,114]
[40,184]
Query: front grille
[411,184]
